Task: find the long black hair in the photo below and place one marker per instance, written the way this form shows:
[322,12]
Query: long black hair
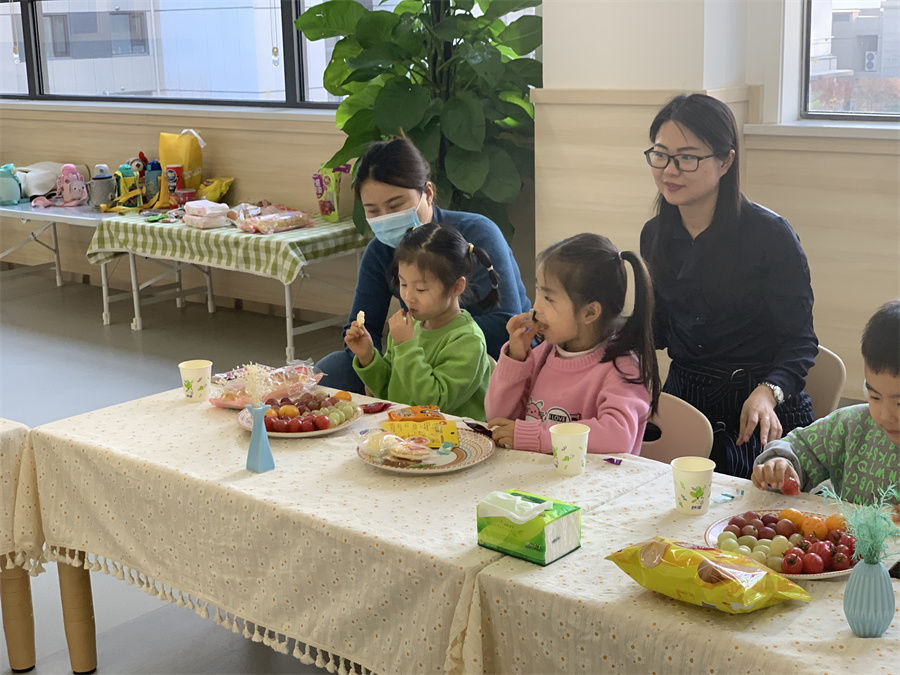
[445,253]
[591,269]
[712,122]
[395,162]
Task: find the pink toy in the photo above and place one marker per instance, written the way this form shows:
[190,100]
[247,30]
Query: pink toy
[70,189]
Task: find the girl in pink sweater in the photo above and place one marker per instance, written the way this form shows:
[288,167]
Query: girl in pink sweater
[594,366]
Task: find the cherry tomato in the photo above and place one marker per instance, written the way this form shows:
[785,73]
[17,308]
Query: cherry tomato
[840,561]
[813,564]
[790,486]
[849,541]
[792,564]
[294,425]
[834,535]
[270,423]
[321,422]
[824,551]
[279,424]
[307,424]
[843,550]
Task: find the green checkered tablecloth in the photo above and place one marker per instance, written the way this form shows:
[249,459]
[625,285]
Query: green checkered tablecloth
[279,256]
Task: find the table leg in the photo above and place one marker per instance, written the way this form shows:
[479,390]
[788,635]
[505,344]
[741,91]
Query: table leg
[18,618]
[289,322]
[179,298]
[210,299]
[136,323]
[104,283]
[78,616]
[55,241]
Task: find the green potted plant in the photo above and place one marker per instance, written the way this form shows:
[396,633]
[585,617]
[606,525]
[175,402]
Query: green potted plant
[453,78]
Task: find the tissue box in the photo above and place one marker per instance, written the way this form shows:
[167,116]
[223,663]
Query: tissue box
[528,526]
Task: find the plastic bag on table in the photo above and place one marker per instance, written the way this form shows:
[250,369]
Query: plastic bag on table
[227,390]
[704,576]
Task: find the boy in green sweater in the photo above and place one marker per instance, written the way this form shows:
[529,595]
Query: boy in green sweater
[436,353]
[858,447]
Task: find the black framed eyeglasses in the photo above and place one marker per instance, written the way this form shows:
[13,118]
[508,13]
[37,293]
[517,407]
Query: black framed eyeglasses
[686,163]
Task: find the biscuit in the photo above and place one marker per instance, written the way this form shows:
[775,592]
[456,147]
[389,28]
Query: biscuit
[410,451]
[360,318]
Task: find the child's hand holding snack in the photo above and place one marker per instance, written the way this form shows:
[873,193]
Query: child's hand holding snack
[401,326]
[773,474]
[522,329]
[359,341]
[503,431]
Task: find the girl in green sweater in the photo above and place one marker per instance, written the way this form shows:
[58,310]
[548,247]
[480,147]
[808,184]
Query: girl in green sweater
[436,353]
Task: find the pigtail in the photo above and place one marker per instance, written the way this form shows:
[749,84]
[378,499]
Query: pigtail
[637,333]
[493,296]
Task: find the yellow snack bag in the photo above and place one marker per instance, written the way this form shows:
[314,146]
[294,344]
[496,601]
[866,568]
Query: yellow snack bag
[707,577]
[416,413]
[437,432]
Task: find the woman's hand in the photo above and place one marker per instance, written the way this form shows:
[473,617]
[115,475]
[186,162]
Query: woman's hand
[759,409]
[521,329]
[400,326]
[503,431]
[359,341]
[771,474]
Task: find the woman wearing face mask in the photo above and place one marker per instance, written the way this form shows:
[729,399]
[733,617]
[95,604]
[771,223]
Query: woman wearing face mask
[392,184]
[733,296]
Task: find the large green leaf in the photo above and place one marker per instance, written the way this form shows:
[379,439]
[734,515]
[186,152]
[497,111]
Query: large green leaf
[408,7]
[464,5]
[462,121]
[517,99]
[364,75]
[484,59]
[427,139]
[330,19]
[400,105]
[362,99]
[455,27]
[383,55]
[497,8]
[503,181]
[409,36]
[337,70]
[376,27]
[523,35]
[465,169]
[353,147]
[525,72]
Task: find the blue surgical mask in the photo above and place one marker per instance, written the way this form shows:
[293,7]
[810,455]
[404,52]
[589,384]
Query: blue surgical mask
[390,228]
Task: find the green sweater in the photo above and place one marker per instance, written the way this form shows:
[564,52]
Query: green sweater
[845,446]
[447,367]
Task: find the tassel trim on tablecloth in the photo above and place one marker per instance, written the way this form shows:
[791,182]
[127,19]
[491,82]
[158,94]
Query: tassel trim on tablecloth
[27,560]
[306,653]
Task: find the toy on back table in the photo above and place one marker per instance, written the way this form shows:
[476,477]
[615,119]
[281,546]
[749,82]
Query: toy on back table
[70,189]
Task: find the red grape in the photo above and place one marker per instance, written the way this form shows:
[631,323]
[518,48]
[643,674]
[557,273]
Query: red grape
[766,532]
[757,523]
[749,529]
[785,527]
[734,529]
[751,515]
[740,521]
[769,519]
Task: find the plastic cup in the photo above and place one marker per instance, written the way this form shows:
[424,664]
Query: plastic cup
[569,441]
[693,481]
[195,376]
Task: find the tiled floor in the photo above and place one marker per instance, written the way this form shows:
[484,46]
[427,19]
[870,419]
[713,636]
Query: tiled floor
[58,360]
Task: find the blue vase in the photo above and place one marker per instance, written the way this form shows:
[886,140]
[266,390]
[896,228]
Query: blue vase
[259,457]
[869,600]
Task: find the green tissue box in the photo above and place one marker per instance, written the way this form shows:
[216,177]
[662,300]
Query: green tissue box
[535,528]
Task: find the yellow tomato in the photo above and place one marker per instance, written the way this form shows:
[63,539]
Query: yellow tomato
[288,411]
[271,412]
[836,522]
[344,396]
[814,525]
[792,515]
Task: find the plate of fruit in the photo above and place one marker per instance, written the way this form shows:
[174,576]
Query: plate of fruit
[799,545]
[307,416]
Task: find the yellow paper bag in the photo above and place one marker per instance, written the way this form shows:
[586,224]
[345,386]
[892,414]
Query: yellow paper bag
[184,150]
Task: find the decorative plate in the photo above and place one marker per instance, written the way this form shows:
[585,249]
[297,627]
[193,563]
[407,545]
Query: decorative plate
[712,539]
[245,420]
[472,449]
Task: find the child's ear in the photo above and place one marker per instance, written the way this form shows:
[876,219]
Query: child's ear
[591,312]
[458,287]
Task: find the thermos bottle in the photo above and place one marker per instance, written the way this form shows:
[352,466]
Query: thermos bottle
[127,189]
[102,187]
[151,181]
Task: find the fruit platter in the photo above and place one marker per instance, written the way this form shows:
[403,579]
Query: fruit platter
[308,415]
[799,545]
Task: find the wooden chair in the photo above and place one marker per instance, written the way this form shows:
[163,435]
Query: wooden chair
[684,431]
[825,381]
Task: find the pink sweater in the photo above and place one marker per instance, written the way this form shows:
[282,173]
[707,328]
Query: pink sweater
[546,389]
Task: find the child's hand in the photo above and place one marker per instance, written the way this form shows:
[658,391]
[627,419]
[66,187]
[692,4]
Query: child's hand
[400,326]
[503,431]
[895,516]
[521,329]
[359,341]
[771,474]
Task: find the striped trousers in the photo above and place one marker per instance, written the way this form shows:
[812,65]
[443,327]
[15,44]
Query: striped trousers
[720,395]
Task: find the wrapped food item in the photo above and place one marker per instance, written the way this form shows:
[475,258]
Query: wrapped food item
[332,199]
[228,390]
[704,576]
[433,433]
[416,413]
[214,189]
[239,212]
[204,207]
[391,449]
[205,222]
[275,222]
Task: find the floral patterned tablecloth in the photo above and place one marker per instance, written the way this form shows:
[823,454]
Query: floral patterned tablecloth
[583,614]
[13,443]
[325,557]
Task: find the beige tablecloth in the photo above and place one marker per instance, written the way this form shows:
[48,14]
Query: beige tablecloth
[325,550]
[13,443]
[582,614]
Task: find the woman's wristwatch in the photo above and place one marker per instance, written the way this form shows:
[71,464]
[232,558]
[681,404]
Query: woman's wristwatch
[776,392]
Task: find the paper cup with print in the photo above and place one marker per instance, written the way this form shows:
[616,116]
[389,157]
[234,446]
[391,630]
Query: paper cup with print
[569,441]
[693,481]
[195,376]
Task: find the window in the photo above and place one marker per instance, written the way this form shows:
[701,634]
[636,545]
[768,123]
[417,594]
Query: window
[13,70]
[853,59]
